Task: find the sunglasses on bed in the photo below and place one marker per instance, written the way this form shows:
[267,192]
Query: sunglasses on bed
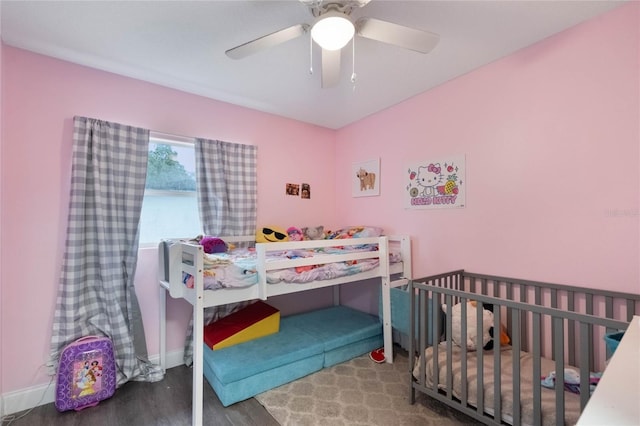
[268,231]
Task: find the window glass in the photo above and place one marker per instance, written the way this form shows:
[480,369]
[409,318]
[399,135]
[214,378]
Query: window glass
[170,205]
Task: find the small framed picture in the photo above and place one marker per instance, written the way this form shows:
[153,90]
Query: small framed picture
[365,178]
[293,189]
[305,192]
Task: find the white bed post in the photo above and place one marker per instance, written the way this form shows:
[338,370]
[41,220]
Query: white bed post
[405,244]
[163,329]
[198,339]
[261,253]
[383,248]
[162,309]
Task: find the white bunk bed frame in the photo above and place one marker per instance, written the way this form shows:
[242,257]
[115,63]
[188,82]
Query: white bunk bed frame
[188,257]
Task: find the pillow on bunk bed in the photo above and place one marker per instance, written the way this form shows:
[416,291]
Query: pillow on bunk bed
[355,232]
[271,234]
[313,232]
[475,339]
[295,234]
[212,245]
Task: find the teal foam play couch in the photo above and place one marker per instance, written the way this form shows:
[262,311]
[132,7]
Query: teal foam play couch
[306,343]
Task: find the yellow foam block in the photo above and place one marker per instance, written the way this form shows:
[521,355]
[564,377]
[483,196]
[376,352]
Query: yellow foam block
[262,328]
[254,321]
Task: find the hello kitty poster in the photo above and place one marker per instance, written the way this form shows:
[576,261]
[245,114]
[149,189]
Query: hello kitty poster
[435,184]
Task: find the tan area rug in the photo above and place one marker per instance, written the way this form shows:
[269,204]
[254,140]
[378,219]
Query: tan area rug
[357,392]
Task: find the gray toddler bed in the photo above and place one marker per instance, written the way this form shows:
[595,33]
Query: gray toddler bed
[543,375]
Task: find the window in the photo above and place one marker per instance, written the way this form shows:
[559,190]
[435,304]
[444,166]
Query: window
[170,205]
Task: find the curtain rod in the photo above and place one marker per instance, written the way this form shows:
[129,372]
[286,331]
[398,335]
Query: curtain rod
[171,137]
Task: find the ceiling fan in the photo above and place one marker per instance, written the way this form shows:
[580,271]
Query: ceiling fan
[333,28]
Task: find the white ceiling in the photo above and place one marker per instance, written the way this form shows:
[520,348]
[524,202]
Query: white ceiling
[181,44]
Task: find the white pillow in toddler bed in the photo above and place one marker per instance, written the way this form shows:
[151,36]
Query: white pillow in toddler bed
[471,343]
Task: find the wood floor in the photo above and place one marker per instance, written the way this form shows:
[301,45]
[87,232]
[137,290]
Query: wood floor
[164,403]
[168,403]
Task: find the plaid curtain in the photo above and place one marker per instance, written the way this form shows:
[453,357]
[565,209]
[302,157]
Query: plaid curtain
[96,293]
[227,198]
[227,187]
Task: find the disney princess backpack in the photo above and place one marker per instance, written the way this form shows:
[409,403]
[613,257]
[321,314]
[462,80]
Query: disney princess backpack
[86,373]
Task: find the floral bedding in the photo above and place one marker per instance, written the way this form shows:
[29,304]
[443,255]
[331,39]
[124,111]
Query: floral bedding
[238,267]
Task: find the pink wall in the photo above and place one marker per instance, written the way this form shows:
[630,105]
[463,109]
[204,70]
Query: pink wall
[550,136]
[551,139]
[41,97]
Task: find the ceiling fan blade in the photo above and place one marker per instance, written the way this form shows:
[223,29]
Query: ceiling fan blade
[330,68]
[397,35]
[267,41]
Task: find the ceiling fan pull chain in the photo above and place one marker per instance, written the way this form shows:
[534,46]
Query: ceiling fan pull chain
[353,62]
[310,54]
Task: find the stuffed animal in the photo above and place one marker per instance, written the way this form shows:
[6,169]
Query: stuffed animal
[473,335]
[350,232]
[313,233]
[473,339]
[504,337]
[213,245]
[271,234]
[295,234]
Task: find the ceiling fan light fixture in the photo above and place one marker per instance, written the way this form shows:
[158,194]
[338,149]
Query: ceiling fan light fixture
[332,31]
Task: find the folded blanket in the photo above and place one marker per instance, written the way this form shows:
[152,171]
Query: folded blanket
[571,380]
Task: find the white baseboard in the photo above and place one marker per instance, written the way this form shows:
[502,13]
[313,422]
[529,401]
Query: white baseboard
[24,399]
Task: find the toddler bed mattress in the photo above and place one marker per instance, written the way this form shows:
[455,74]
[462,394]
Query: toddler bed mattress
[238,267]
[572,400]
[305,343]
